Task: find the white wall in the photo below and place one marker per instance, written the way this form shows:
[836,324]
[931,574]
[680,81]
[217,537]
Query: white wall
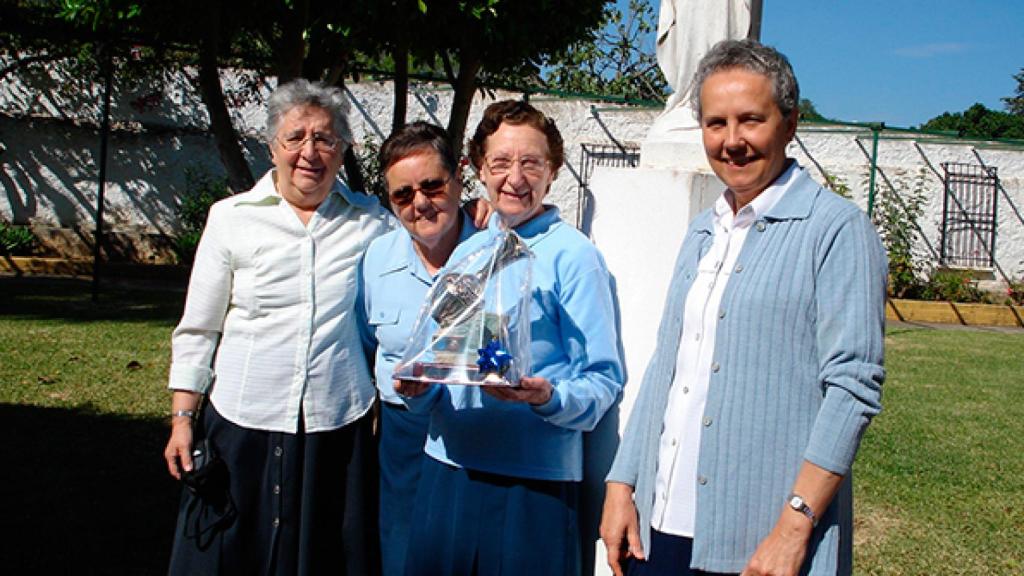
[50,142]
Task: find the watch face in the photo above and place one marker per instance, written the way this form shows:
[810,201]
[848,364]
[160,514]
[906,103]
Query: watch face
[796,502]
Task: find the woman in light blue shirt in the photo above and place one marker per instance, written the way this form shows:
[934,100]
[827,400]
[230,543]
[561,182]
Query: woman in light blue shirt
[499,491]
[423,179]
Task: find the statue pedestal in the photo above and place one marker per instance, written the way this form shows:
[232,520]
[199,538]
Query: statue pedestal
[638,218]
[674,141]
[638,221]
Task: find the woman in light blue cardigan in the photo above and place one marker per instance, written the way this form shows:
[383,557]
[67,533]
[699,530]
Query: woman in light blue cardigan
[771,341]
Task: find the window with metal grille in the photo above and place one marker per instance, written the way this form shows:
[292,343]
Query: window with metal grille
[592,155]
[969,215]
[619,155]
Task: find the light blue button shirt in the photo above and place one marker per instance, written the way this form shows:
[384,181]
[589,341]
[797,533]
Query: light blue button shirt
[394,285]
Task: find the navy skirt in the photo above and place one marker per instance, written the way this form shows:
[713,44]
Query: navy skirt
[290,504]
[402,437]
[468,523]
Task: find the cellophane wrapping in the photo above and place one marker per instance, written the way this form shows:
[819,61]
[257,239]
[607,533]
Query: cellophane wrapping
[474,326]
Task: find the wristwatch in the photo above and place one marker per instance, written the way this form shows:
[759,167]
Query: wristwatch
[796,502]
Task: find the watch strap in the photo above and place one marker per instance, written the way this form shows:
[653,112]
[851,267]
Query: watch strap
[797,502]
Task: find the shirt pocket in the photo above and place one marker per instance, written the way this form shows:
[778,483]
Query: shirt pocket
[386,328]
[385,317]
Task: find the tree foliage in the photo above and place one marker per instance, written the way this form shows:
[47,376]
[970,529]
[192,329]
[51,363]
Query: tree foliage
[979,122]
[617,60]
[490,40]
[1015,103]
[809,112]
[468,42]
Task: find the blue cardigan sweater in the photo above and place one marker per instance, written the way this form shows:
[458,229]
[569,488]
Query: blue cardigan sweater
[799,347]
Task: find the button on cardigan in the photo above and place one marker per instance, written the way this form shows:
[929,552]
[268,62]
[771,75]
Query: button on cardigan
[800,351]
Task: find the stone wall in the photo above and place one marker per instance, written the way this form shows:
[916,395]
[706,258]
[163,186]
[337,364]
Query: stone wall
[49,145]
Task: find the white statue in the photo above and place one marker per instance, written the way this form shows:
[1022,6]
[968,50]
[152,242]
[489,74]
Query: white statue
[687,29]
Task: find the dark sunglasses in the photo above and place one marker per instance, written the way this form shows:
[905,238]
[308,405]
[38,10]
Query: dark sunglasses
[429,188]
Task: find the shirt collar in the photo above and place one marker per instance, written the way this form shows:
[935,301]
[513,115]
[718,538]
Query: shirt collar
[533,230]
[410,260]
[760,205]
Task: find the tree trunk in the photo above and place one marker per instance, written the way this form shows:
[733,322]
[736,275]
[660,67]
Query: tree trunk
[291,49]
[401,84]
[231,156]
[462,101]
[353,173]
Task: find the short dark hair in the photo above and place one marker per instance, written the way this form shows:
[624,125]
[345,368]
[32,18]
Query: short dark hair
[755,57]
[417,138]
[516,112]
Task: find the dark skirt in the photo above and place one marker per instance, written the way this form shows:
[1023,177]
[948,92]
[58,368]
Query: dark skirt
[402,437]
[291,504]
[472,523]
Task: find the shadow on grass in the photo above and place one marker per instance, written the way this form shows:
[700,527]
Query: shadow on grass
[84,493]
[70,299]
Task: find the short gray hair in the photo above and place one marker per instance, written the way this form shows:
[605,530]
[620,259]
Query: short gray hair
[755,57]
[302,92]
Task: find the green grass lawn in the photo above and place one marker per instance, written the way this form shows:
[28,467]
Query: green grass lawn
[939,480]
[82,400]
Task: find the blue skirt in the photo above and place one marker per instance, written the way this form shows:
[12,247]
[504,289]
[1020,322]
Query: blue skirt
[402,437]
[467,523]
[290,504]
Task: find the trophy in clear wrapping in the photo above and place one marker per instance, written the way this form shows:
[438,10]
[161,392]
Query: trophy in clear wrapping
[474,327]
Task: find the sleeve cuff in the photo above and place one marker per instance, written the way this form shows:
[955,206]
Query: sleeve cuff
[190,378]
[551,407]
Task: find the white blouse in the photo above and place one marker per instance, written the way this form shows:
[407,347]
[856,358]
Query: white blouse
[270,318]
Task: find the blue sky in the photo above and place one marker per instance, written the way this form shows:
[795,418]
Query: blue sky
[901,62]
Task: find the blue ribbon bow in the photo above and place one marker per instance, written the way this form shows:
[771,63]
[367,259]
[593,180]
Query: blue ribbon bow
[494,358]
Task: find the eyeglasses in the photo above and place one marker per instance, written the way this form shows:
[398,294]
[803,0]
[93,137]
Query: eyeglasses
[529,165]
[321,142]
[429,188]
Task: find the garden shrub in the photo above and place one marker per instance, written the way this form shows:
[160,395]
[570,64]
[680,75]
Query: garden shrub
[17,240]
[952,286]
[369,164]
[1015,293]
[202,189]
[897,211]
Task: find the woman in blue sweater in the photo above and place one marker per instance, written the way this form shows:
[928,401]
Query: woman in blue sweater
[499,489]
[768,365]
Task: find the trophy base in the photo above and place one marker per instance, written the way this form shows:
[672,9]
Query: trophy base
[460,374]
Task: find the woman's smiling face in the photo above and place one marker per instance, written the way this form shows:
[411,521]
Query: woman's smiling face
[517,172]
[305,176]
[745,134]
